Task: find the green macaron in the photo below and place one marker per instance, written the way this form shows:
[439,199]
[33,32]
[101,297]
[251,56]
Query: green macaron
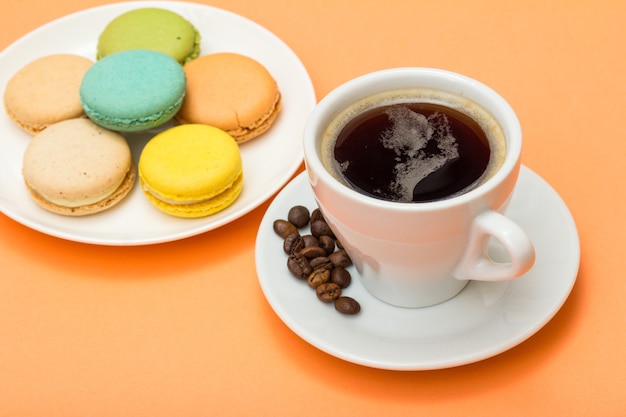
[151,28]
[133,90]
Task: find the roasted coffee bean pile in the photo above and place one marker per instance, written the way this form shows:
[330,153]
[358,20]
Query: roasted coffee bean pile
[317,257]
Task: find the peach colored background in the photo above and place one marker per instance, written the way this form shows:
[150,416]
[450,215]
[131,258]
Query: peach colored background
[183,329]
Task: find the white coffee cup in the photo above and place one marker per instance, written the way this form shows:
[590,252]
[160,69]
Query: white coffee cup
[421,254]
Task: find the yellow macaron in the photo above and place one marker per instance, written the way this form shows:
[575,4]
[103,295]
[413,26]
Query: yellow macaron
[191,170]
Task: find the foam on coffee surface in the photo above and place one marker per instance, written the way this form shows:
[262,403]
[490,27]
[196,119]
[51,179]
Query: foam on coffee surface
[410,133]
[408,137]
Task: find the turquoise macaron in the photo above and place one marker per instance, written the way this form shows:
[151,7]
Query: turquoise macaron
[133,90]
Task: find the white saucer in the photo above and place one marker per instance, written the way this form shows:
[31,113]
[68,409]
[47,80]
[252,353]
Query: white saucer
[485,319]
[269,161]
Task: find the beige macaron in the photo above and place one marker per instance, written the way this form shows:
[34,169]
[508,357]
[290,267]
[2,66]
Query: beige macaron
[76,167]
[46,91]
[232,92]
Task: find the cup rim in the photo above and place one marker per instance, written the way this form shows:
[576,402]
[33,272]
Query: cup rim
[396,78]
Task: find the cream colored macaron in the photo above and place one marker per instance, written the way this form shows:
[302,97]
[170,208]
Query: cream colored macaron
[76,167]
[45,91]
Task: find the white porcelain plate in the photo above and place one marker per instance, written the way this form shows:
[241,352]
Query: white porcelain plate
[484,320]
[268,161]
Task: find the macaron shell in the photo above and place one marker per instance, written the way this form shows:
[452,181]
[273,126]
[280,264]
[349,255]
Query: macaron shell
[134,90]
[46,91]
[245,134]
[232,92]
[153,29]
[195,168]
[203,208]
[75,167]
[102,205]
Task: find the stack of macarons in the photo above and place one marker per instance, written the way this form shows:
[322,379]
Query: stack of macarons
[148,71]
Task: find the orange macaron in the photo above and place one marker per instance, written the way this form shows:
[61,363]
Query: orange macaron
[232,92]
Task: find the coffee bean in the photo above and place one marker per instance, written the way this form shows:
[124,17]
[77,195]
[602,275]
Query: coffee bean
[347,305]
[299,216]
[299,266]
[327,243]
[312,252]
[340,276]
[310,240]
[318,277]
[283,228]
[340,258]
[316,215]
[293,243]
[321,262]
[321,228]
[317,257]
[328,292]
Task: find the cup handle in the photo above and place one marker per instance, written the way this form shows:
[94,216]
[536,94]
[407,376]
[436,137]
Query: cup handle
[476,263]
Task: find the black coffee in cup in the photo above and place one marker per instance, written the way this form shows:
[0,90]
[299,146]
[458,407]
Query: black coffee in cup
[414,146]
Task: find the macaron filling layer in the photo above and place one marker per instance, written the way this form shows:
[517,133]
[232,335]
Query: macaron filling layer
[200,208]
[182,201]
[78,202]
